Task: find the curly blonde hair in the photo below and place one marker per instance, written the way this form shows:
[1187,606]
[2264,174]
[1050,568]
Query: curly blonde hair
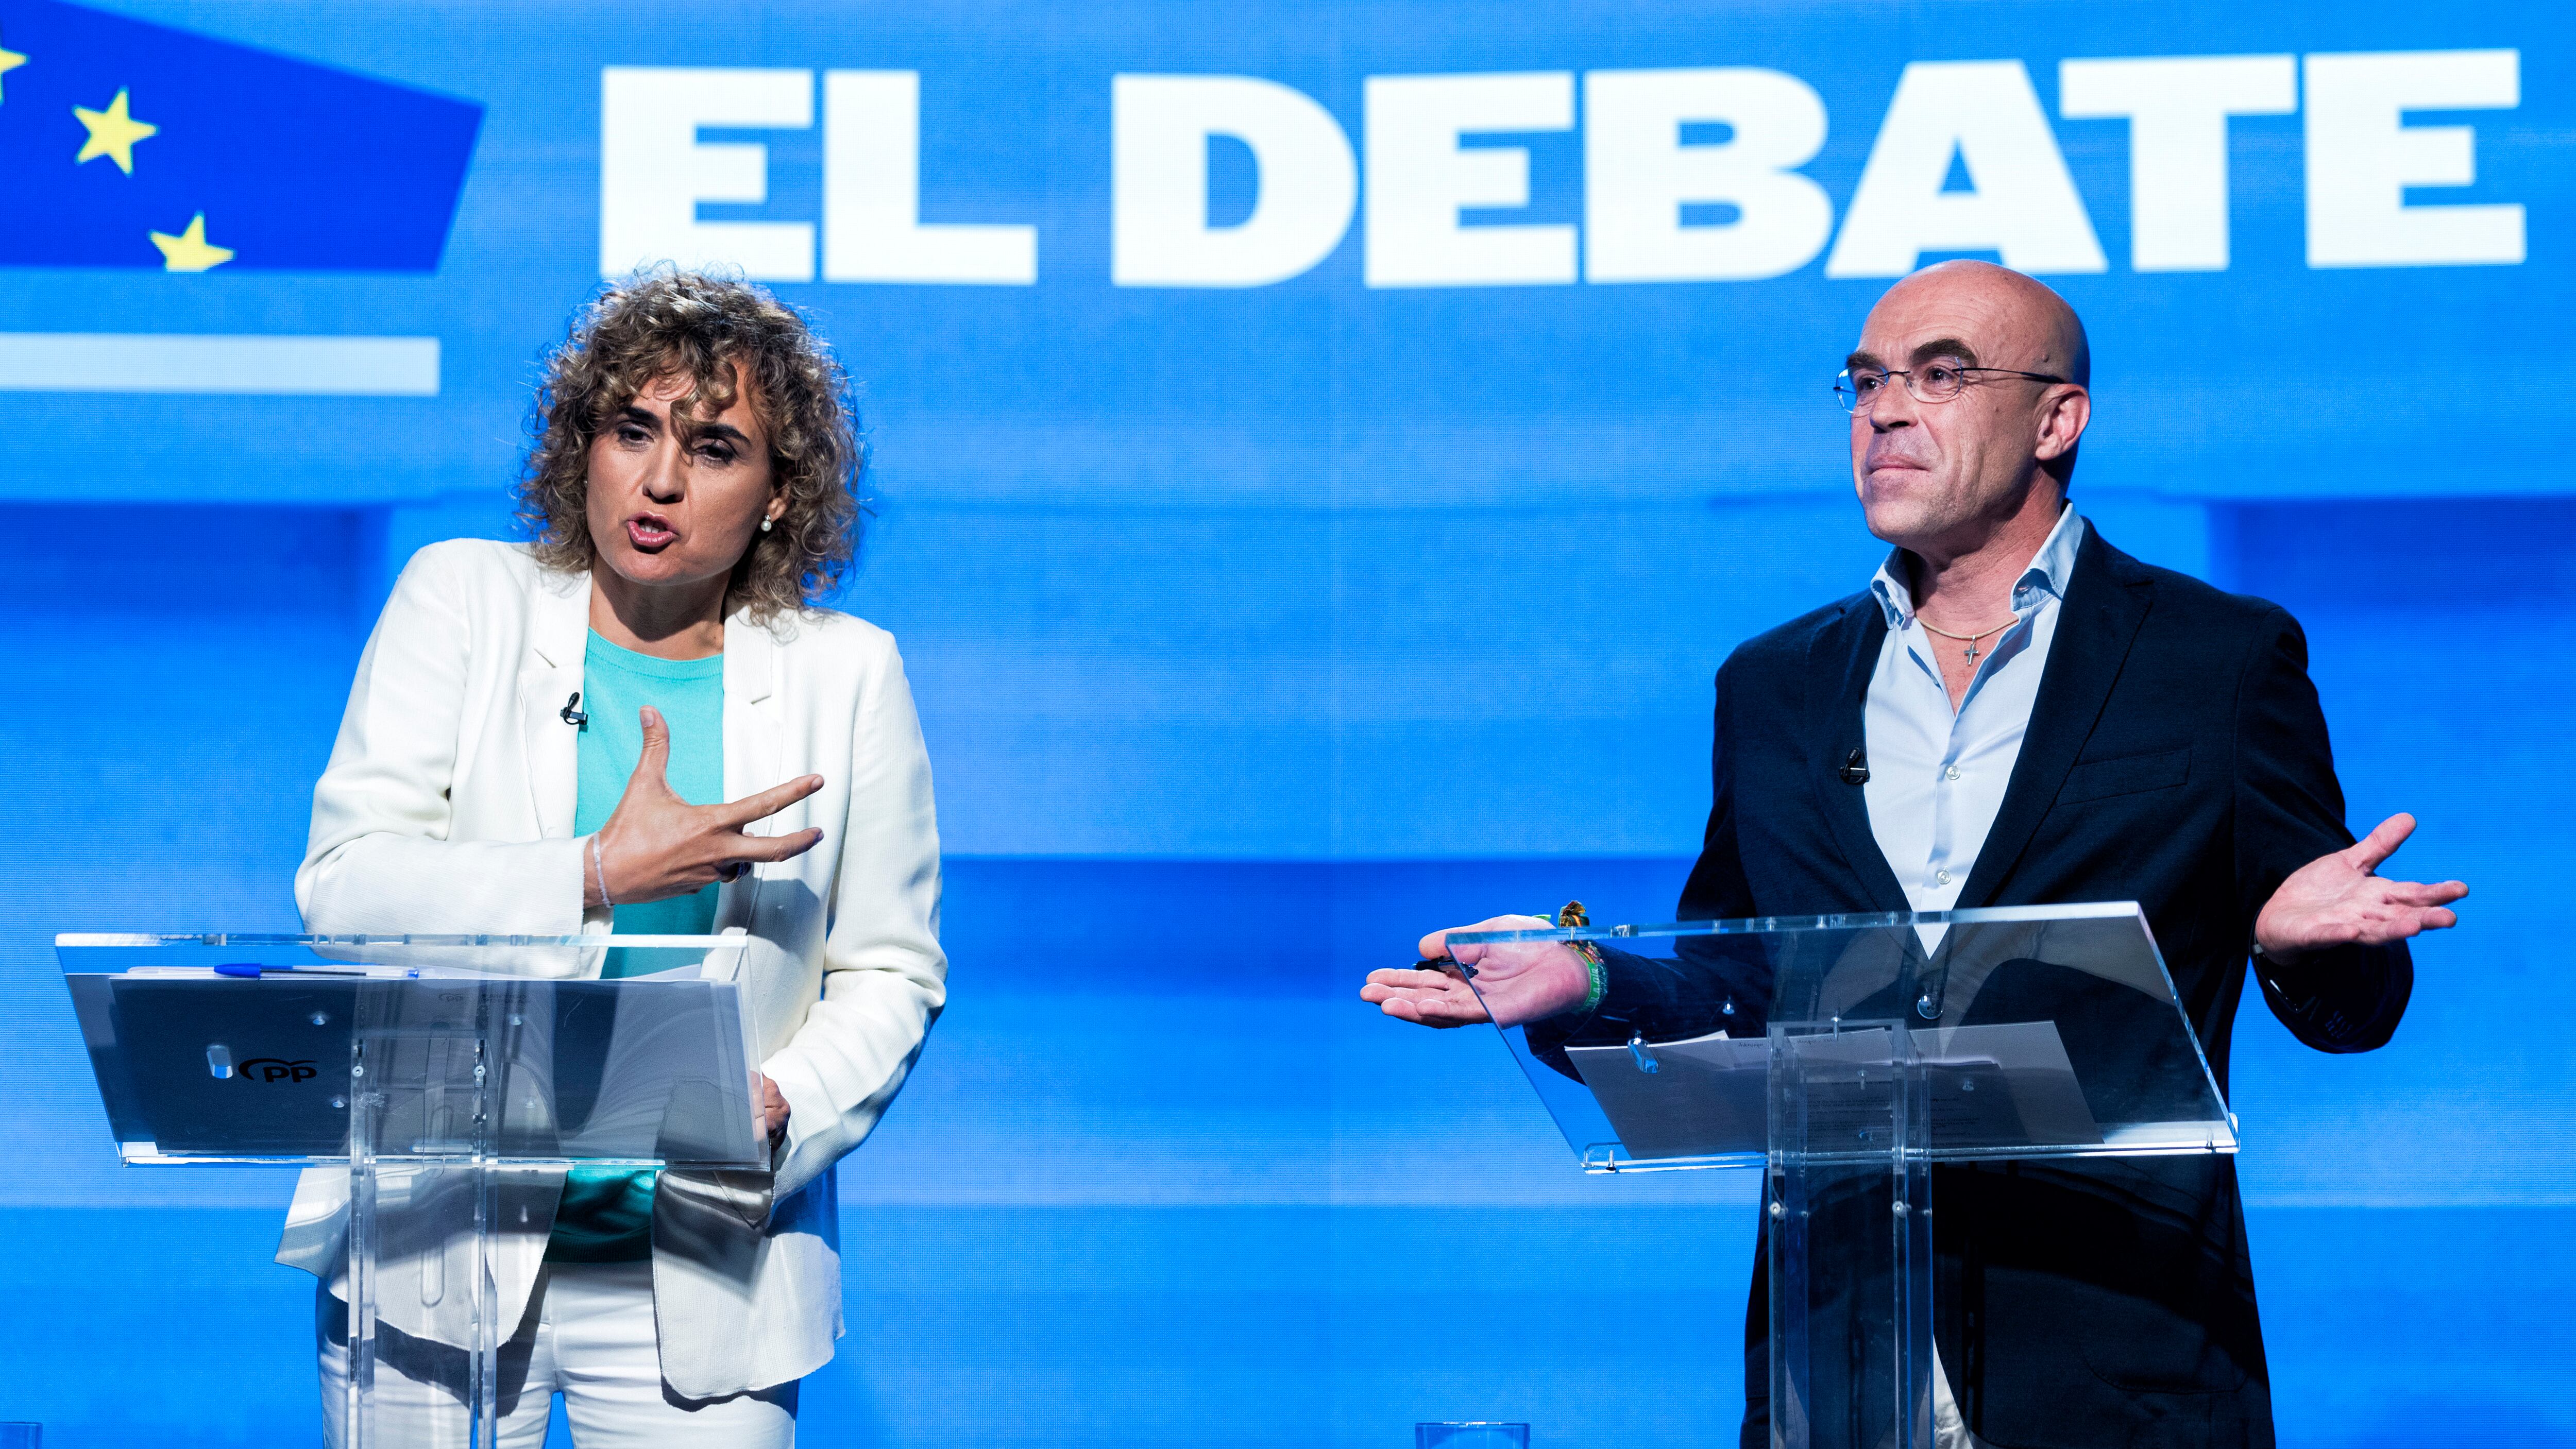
[666,323]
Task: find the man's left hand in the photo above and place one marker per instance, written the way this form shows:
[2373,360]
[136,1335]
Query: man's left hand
[2337,900]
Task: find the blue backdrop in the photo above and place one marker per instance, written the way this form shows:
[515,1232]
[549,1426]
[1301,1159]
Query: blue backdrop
[1321,453]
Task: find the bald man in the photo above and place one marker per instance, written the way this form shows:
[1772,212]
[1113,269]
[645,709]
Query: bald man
[2016,713]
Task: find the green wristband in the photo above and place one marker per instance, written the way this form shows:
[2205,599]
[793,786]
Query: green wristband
[1600,981]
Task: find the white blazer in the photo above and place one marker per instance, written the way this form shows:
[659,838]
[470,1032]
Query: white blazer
[448,807]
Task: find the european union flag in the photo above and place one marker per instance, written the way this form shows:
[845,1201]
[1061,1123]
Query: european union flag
[127,144]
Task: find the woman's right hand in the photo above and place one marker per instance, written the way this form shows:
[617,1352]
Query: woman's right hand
[657,845]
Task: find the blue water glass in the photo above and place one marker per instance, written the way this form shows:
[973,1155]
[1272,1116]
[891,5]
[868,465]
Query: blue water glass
[22,1436]
[1471,1434]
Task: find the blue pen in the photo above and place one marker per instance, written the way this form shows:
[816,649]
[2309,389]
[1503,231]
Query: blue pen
[252,969]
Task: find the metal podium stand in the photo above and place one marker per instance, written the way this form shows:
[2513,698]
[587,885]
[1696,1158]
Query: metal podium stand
[1842,1056]
[453,1077]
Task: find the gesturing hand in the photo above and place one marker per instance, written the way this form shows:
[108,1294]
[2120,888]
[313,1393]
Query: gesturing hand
[657,845]
[1520,980]
[2335,900]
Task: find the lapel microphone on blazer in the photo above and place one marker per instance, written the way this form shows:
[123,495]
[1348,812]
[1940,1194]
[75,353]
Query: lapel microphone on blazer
[577,719]
[1855,770]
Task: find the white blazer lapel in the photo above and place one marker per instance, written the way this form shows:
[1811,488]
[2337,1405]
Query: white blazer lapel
[558,636]
[753,726]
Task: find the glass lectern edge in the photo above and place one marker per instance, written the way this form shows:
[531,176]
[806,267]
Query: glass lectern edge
[91,940]
[1607,1160]
[148,1154]
[1617,1162]
[1767,925]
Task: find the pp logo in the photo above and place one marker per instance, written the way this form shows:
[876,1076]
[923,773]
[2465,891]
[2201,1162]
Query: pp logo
[277,1069]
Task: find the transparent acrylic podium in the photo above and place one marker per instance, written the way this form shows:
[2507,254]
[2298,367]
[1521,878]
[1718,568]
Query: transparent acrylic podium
[1843,1056]
[452,1076]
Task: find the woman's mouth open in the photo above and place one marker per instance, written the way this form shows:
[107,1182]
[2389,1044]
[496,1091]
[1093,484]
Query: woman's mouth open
[650,532]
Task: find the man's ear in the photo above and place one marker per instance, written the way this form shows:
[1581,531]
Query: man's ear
[2062,423]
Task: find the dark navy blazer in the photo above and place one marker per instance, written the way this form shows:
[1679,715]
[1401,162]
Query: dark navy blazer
[2176,757]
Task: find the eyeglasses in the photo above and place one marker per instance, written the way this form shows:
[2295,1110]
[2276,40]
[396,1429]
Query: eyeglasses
[1933,382]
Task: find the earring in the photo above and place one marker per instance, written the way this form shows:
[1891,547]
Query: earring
[764,524]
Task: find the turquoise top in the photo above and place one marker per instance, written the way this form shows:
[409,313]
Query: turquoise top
[607,1213]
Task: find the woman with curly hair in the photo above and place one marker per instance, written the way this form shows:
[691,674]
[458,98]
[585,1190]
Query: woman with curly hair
[641,721]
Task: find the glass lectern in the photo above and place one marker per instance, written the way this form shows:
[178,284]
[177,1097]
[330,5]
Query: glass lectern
[453,1078]
[1842,1056]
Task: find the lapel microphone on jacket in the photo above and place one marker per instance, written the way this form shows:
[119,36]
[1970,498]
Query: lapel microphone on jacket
[1855,770]
[577,719]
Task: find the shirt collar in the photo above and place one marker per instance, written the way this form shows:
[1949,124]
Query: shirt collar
[2049,571]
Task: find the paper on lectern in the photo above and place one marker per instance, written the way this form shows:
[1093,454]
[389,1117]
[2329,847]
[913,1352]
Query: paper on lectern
[1998,1085]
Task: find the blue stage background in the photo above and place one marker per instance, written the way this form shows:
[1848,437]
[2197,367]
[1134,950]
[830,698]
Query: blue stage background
[1257,629]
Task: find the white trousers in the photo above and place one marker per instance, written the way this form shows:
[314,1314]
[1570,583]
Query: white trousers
[589,1336]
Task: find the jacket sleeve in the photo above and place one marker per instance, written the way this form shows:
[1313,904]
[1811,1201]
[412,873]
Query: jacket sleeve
[1689,994]
[884,975]
[2289,811]
[379,859]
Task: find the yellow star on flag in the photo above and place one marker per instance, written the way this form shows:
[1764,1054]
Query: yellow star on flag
[112,133]
[10,60]
[189,251]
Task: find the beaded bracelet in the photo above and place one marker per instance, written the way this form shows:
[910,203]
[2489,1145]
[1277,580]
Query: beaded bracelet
[600,869]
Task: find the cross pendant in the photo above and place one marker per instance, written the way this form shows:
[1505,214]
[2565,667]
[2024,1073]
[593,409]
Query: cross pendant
[1970,651]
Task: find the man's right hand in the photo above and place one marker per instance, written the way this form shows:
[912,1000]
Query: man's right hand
[1519,981]
[657,845]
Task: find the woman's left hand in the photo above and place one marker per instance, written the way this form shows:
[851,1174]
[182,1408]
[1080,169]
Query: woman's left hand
[773,1109]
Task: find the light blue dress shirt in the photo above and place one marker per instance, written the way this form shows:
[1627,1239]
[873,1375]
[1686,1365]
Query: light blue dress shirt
[1937,775]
